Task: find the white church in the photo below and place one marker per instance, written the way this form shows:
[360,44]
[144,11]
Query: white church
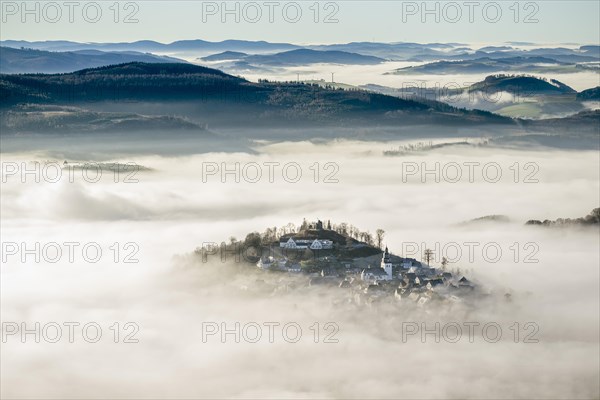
[384,273]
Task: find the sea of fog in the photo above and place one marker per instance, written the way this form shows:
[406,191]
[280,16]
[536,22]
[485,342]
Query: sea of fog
[420,199]
[380,75]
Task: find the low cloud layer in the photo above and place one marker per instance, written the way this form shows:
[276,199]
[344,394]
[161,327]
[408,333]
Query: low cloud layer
[169,293]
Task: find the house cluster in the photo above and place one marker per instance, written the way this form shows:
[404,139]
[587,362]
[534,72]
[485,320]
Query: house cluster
[406,280]
[282,264]
[421,289]
[412,282]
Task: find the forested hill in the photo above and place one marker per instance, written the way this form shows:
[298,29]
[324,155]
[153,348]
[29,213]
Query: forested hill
[168,83]
[131,81]
[149,69]
[521,84]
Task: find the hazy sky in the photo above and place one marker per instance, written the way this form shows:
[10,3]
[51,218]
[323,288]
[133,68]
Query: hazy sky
[389,21]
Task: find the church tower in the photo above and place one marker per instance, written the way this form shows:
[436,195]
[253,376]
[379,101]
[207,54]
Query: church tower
[386,263]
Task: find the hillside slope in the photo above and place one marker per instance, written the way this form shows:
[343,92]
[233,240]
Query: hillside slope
[214,94]
[592,94]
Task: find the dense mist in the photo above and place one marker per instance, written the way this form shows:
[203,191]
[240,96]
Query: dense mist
[180,202]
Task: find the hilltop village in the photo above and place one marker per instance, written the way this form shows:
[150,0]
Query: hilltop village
[335,257]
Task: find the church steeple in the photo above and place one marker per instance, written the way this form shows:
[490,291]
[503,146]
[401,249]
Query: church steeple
[386,263]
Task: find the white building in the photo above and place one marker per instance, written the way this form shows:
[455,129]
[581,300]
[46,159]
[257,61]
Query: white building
[270,262]
[295,268]
[313,244]
[374,275]
[265,262]
[379,274]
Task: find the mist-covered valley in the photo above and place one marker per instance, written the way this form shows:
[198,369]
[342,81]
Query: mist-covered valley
[178,202]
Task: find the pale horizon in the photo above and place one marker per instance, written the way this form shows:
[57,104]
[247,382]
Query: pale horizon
[378,21]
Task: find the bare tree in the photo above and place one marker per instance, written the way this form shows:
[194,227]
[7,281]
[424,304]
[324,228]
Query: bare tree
[352,231]
[369,238]
[304,225]
[343,228]
[428,254]
[444,263]
[379,234]
[363,236]
[291,228]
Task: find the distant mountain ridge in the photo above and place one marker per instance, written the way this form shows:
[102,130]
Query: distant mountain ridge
[156,47]
[225,56]
[306,56]
[402,51]
[296,58]
[490,65]
[40,61]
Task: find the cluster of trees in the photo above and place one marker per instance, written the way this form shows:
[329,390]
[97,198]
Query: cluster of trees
[501,76]
[354,232]
[315,85]
[273,234]
[592,218]
[289,82]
